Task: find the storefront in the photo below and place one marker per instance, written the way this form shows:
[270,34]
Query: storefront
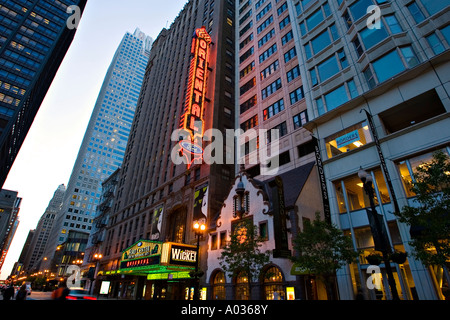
[153,270]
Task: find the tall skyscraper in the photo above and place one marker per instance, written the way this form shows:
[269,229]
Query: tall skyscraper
[103,147]
[9,210]
[271,90]
[376,84]
[189,84]
[34,39]
[36,249]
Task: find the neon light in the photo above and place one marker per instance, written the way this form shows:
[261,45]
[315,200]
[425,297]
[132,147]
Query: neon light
[193,121]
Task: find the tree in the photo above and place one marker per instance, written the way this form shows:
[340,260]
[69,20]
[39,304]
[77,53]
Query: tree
[322,249]
[242,252]
[429,217]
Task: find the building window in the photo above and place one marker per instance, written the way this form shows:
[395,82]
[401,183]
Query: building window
[282,131]
[293,73]
[247,86]
[247,70]
[435,43]
[287,37]
[306,148]
[264,25]
[321,41]
[223,239]
[273,284]
[416,13]
[392,64]
[300,119]
[284,22]
[291,53]
[337,97]
[263,230]
[433,6]
[270,89]
[250,103]
[296,95]
[266,38]
[408,168]
[269,70]
[219,286]
[350,190]
[250,123]
[349,139]
[214,241]
[242,291]
[266,54]
[273,109]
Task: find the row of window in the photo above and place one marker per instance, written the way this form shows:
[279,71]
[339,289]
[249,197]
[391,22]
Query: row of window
[350,195]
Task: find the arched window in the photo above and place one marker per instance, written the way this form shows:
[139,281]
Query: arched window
[242,287]
[273,284]
[219,286]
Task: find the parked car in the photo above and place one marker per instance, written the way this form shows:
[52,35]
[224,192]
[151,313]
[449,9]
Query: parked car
[80,294]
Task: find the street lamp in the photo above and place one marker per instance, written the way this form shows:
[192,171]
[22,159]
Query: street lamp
[96,257]
[381,243]
[199,229]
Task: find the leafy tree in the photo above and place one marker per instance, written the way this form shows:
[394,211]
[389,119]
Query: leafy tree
[242,252]
[322,249]
[429,217]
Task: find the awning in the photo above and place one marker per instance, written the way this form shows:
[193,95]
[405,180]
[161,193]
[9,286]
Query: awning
[297,270]
[157,260]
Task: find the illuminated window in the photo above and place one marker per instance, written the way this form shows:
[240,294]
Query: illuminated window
[219,286]
[348,139]
[273,287]
[353,192]
[242,286]
[408,168]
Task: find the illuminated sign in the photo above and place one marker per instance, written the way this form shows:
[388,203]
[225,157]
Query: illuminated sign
[192,119]
[142,249]
[348,138]
[179,254]
[139,262]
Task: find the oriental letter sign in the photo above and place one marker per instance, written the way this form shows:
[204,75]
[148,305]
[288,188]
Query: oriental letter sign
[192,120]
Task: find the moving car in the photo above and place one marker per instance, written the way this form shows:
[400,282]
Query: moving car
[80,294]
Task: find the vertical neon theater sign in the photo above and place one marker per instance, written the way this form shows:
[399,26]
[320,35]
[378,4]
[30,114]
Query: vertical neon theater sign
[192,120]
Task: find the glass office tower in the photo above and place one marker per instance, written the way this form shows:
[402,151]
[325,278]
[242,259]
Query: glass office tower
[103,146]
[34,39]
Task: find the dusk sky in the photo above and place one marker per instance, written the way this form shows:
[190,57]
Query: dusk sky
[50,149]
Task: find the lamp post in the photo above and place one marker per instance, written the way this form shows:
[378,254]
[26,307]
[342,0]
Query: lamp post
[377,227]
[96,257]
[199,229]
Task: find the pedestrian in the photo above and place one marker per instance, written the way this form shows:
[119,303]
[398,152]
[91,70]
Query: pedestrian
[8,294]
[360,295]
[61,293]
[22,293]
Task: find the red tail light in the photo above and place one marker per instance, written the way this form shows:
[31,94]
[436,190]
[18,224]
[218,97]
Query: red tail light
[89,298]
[71,298]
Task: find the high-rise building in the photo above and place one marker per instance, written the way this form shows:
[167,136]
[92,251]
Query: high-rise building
[189,84]
[103,147]
[9,210]
[389,59]
[36,249]
[34,38]
[271,90]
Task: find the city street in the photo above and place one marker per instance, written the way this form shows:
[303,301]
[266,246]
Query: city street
[40,295]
